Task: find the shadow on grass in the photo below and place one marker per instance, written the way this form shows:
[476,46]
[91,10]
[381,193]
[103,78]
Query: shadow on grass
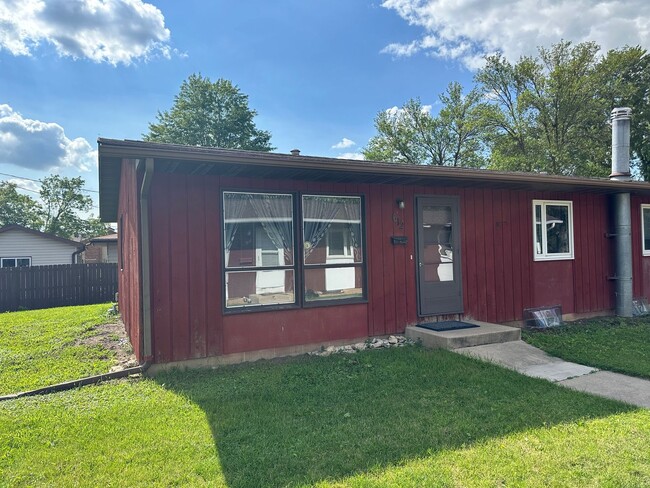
[312,419]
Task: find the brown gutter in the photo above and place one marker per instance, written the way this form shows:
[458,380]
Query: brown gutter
[145,260]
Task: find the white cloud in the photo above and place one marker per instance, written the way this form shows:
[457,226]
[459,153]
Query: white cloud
[23,184]
[402,50]
[40,145]
[111,31]
[344,143]
[396,112]
[351,155]
[467,30]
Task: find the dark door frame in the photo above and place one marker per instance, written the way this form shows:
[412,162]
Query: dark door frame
[443,305]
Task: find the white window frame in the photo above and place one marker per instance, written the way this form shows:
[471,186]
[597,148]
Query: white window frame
[347,252]
[544,255]
[644,207]
[2,260]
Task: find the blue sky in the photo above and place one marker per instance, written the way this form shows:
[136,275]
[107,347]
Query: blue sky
[316,71]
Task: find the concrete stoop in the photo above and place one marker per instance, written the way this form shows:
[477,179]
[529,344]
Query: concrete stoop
[485,333]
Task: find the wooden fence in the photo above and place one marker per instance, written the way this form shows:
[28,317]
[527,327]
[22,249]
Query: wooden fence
[57,286]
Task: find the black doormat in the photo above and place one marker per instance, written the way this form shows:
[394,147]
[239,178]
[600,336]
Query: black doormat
[447,325]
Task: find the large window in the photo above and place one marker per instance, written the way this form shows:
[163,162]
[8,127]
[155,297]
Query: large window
[261,268]
[258,249]
[645,228]
[20,262]
[332,247]
[553,229]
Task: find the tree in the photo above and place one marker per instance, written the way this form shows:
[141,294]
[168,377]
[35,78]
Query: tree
[623,80]
[463,119]
[93,227]
[509,119]
[561,87]
[412,135]
[61,199]
[57,213]
[18,209]
[206,113]
[550,112]
[402,135]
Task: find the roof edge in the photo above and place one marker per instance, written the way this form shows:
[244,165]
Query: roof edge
[47,235]
[140,149]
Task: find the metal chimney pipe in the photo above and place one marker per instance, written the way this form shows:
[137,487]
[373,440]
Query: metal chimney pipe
[621,144]
[623,221]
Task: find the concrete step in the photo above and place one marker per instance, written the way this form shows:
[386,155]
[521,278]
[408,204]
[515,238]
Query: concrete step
[485,333]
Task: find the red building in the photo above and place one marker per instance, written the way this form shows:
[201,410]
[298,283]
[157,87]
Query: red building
[223,253]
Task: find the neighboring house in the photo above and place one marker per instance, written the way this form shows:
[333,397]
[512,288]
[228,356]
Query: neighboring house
[20,246]
[225,252]
[101,249]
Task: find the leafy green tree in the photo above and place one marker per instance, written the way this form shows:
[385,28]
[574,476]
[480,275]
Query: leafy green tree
[412,135]
[207,113]
[509,119]
[462,121]
[623,80]
[550,112]
[18,209]
[562,86]
[62,199]
[402,135]
[545,113]
[93,227]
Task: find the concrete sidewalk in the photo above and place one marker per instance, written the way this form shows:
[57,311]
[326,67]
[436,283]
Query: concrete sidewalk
[531,361]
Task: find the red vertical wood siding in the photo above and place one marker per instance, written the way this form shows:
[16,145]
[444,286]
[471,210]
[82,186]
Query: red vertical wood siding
[500,277]
[640,263]
[129,285]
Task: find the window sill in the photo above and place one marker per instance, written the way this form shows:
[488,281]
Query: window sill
[334,302]
[553,258]
[260,308]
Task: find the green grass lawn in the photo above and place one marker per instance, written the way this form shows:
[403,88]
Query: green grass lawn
[39,347]
[387,417]
[611,343]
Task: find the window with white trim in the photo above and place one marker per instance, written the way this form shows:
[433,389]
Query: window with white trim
[15,262]
[645,229]
[552,230]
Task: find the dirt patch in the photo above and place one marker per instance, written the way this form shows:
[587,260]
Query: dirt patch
[112,336]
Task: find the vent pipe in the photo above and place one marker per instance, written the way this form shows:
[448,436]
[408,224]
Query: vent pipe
[623,221]
[621,144]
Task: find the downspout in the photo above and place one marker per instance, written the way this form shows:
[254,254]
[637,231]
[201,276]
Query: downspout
[76,253]
[622,218]
[145,256]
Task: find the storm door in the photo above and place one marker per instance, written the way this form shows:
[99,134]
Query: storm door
[438,256]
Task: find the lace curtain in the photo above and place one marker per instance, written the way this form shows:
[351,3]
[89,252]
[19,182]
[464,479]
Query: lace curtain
[274,212]
[319,212]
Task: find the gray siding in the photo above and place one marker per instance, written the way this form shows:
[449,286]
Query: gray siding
[43,251]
